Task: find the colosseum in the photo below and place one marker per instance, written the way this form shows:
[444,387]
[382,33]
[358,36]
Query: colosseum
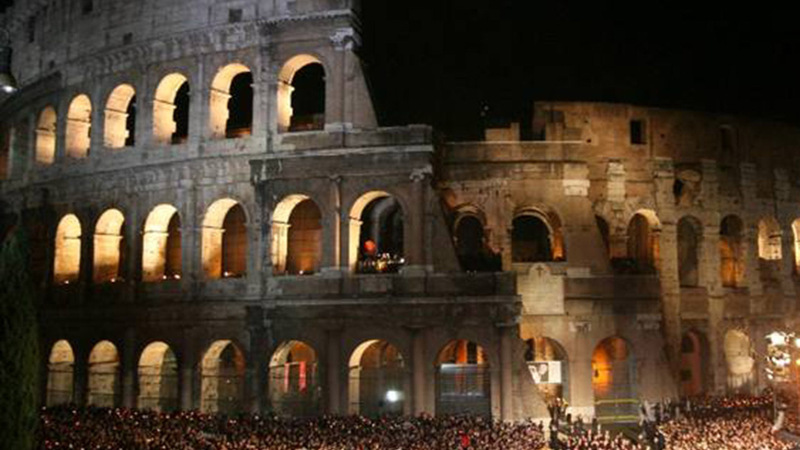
[218,221]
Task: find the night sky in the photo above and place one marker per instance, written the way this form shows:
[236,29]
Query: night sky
[458,64]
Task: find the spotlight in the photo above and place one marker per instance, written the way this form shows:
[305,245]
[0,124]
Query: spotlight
[392,396]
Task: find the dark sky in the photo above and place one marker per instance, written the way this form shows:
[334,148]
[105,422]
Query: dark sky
[443,61]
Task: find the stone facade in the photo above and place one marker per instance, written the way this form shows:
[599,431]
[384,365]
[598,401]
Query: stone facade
[646,250]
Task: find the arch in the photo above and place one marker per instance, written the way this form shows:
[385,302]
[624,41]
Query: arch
[171,110]
[79,123]
[532,238]
[224,251]
[463,379]
[739,361]
[690,233]
[301,86]
[377,380]
[46,136]
[161,244]
[296,236]
[222,97]
[614,381]
[67,258]
[472,247]
[294,388]
[731,252]
[769,239]
[222,378]
[695,357]
[120,125]
[796,246]
[104,377]
[548,364]
[158,378]
[60,370]
[643,242]
[376,233]
[109,246]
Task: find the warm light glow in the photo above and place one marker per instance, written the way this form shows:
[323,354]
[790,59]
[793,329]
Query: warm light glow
[107,241]
[392,396]
[116,130]
[164,107]
[158,242]
[67,258]
[285,88]
[216,262]
[46,136]
[218,99]
[79,122]
[777,338]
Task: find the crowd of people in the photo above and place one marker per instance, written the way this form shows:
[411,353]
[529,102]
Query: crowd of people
[719,423]
[105,428]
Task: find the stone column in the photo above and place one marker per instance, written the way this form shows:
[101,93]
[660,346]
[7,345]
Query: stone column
[187,368]
[332,229]
[506,374]
[418,371]
[163,123]
[218,113]
[256,369]
[81,377]
[415,245]
[129,369]
[333,369]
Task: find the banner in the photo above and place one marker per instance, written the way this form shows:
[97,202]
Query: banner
[545,372]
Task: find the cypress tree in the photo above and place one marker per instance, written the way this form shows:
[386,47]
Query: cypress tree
[19,346]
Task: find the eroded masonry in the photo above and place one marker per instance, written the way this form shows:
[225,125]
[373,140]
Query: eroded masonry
[218,221]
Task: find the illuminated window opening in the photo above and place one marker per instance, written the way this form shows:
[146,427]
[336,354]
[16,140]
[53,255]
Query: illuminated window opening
[614,380]
[463,380]
[104,376]
[171,110]
[222,379]
[161,245]
[739,362]
[376,234]
[643,243]
[79,123]
[158,378]
[296,236]
[67,258]
[301,95]
[109,246]
[293,380]
[121,117]
[60,370]
[769,239]
[224,250]
[731,254]
[224,122]
[472,248]
[552,371]
[46,136]
[377,381]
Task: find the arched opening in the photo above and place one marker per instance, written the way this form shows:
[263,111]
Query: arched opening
[296,236]
[224,240]
[46,136]
[739,361]
[109,247]
[695,356]
[301,95]
[796,246]
[104,385]
[79,123]
[158,378]
[222,378]
[731,262]
[60,369]
[121,117]
[161,244]
[531,240]
[614,381]
[377,380]
[474,253]
[689,233]
[67,258]
[230,111]
[549,367]
[643,251]
[293,380]
[463,380]
[376,234]
[770,239]
[171,110]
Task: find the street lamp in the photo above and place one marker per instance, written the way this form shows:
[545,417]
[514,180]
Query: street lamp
[8,84]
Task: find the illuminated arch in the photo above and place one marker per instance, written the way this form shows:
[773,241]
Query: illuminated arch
[536,236]
[551,362]
[224,251]
[46,136]
[796,246]
[79,123]
[643,241]
[220,98]
[285,90]
[739,361]
[165,128]
[731,251]
[296,236]
[376,216]
[222,378]
[120,116]
[293,380]
[60,370]
[109,242]
[161,244]
[463,379]
[614,381]
[67,259]
[104,378]
[695,357]
[377,380]
[769,239]
[158,378]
